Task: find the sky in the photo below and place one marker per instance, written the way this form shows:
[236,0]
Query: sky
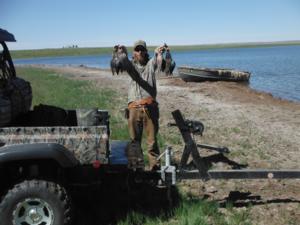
[39,24]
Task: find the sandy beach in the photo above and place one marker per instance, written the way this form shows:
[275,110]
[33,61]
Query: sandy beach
[260,131]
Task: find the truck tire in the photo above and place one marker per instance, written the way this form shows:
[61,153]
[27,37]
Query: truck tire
[5,111]
[35,202]
[20,95]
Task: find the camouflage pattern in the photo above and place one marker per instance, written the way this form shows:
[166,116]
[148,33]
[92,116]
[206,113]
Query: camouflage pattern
[240,75]
[189,73]
[86,143]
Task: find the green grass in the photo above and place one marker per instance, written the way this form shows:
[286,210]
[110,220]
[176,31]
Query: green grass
[53,89]
[50,88]
[191,211]
[107,50]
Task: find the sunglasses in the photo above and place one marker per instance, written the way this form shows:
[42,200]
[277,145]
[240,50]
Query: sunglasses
[140,49]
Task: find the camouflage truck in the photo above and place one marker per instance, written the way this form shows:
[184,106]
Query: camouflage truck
[45,151]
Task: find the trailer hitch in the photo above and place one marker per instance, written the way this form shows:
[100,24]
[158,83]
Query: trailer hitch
[168,172]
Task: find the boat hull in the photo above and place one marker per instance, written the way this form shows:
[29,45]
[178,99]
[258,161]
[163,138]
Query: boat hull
[195,74]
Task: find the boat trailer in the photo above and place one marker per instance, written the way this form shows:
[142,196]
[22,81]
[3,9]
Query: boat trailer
[170,173]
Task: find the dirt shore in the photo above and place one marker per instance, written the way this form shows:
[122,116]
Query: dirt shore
[260,131]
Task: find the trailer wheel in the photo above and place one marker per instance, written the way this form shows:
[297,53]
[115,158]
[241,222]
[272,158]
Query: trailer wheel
[35,202]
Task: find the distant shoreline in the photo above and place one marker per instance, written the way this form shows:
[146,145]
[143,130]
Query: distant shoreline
[54,52]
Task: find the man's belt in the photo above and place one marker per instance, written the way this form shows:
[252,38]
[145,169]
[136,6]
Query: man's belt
[141,102]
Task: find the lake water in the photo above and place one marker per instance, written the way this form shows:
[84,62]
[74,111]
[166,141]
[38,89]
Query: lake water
[275,70]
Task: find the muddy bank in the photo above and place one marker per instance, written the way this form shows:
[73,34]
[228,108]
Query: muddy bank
[260,130]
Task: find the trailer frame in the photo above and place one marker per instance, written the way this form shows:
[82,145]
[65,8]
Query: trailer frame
[170,174]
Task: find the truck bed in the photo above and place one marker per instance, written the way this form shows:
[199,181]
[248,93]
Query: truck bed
[86,141]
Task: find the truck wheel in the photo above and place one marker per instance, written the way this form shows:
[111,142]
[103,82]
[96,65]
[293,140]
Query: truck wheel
[35,202]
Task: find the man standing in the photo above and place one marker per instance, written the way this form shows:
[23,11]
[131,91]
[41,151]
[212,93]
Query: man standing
[142,104]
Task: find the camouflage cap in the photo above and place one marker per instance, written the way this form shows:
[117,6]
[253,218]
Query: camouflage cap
[140,43]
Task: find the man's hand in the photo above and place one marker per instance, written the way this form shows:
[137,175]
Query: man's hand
[162,49]
[159,55]
[159,50]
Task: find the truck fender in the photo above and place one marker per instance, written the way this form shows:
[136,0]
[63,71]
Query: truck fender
[37,151]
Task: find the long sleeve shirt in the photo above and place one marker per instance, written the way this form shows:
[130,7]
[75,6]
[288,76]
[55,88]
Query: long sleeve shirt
[148,73]
[143,83]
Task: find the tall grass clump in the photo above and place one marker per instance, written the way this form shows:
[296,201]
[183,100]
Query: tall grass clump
[191,211]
